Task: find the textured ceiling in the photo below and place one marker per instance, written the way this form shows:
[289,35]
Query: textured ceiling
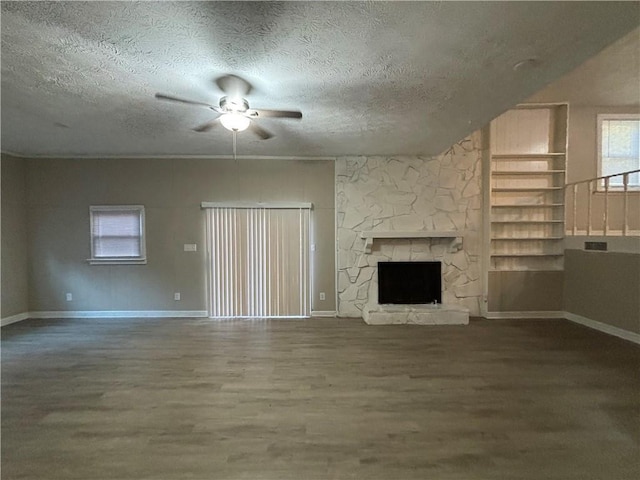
[610,78]
[79,78]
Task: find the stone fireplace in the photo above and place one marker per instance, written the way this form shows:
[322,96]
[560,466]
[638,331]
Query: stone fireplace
[410,209]
[410,292]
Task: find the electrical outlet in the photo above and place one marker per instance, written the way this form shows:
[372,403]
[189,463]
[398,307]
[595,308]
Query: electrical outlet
[69,297]
[322,296]
[176,296]
[190,247]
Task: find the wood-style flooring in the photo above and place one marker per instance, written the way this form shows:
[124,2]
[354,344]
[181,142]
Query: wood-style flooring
[317,399]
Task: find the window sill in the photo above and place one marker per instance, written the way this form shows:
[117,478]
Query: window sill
[117,261]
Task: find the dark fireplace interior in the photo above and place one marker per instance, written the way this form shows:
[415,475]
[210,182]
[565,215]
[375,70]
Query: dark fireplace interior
[409,282]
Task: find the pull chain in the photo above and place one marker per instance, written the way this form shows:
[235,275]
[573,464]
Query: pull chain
[234,145]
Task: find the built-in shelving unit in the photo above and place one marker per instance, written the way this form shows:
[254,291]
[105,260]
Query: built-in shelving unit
[527,177]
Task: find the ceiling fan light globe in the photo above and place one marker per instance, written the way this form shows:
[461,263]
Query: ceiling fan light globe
[235,122]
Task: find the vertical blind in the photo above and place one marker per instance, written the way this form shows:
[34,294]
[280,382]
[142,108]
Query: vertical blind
[259,262]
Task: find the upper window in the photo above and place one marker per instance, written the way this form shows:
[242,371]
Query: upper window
[117,234]
[619,150]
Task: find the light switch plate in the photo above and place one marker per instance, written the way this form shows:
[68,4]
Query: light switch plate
[190,247]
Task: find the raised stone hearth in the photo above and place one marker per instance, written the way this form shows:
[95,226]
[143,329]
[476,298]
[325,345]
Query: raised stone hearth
[416,315]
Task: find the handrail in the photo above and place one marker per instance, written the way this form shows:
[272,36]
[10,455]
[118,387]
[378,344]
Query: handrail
[592,185]
[600,178]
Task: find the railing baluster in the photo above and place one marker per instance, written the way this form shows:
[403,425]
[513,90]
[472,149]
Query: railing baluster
[575,209]
[605,215]
[592,189]
[625,219]
[589,194]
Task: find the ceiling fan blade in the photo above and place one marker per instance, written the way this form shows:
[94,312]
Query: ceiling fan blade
[234,86]
[205,127]
[162,96]
[261,132]
[257,113]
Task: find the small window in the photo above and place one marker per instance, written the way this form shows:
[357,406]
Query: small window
[619,150]
[117,234]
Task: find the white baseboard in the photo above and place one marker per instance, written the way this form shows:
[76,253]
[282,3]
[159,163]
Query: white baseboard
[14,318]
[126,314]
[120,314]
[323,313]
[524,315]
[603,327]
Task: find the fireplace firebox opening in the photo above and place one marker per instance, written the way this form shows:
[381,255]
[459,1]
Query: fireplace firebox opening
[409,282]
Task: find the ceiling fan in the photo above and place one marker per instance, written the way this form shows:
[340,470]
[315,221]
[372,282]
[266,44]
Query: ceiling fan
[233,109]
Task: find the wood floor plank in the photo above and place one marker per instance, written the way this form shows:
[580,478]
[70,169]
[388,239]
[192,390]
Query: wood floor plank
[102,399]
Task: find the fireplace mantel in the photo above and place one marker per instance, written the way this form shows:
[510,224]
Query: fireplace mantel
[455,236]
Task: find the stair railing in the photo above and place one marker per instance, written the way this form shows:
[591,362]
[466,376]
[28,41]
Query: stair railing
[605,188]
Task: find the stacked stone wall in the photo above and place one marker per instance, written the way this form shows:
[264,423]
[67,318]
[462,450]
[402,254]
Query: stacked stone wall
[410,193]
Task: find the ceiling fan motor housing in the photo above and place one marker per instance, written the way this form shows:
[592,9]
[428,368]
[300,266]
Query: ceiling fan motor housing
[230,105]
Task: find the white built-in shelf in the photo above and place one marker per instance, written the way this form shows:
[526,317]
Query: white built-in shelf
[524,254]
[525,189]
[519,239]
[526,269]
[454,235]
[527,221]
[509,156]
[517,205]
[525,172]
[522,179]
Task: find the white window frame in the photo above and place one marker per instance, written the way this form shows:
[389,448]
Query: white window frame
[139,260]
[600,118]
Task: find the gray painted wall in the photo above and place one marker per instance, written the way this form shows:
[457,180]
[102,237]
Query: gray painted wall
[599,286]
[603,286]
[582,164]
[60,191]
[583,151]
[45,240]
[14,291]
[524,291]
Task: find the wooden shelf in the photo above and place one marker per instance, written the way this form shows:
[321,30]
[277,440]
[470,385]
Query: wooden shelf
[520,239]
[527,221]
[524,254]
[414,234]
[454,235]
[526,189]
[524,269]
[502,156]
[525,172]
[540,205]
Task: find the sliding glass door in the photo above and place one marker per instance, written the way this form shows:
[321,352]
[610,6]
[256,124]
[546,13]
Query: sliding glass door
[258,261]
